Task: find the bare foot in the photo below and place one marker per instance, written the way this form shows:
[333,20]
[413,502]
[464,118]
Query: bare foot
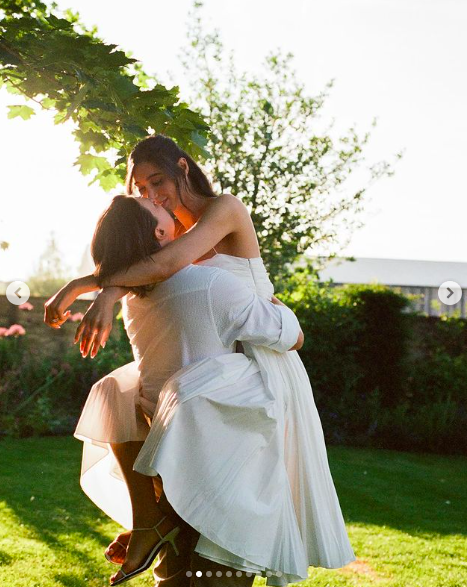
[118,548]
[140,545]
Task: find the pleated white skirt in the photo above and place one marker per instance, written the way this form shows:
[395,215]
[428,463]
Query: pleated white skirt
[230,459]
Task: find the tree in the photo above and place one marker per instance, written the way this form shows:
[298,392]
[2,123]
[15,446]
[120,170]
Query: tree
[266,143]
[50,274]
[269,147]
[60,65]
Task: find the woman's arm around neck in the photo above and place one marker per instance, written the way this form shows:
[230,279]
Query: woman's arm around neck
[223,216]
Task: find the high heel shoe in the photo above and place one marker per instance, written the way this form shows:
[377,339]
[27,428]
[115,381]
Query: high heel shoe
[169,537]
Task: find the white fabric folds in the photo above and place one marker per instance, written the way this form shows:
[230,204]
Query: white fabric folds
[238,442]
[215,442]
[112,413]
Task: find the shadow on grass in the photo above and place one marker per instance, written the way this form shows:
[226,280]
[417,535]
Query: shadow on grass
[5,558]
[420,494]
[39,478]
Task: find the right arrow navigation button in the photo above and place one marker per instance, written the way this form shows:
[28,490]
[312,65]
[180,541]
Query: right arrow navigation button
[450,293]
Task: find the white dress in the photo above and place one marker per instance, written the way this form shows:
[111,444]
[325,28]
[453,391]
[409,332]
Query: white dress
[270,473]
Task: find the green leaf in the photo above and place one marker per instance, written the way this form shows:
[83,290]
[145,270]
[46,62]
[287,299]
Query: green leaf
[6,58]
[88,163]
[25,112]
[124,86]
[138,132]
[76,102]
[13,90]
[91,139]
[199,138]
[48,103]
[92,103]
[59,23]
[65,66]
[108,180]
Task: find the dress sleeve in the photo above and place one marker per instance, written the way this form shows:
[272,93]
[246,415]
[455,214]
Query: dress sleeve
[240,314]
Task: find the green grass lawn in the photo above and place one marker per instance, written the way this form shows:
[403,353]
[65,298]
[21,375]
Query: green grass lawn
[406,516]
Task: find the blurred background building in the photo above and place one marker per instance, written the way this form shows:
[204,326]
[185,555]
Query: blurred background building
[422,278]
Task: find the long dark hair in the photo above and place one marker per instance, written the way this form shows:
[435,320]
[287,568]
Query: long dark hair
[165,153]
[123,236]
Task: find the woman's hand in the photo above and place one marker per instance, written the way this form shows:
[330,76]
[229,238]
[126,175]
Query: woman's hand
[55,313]
[277,302]
[301,338]
[96,325]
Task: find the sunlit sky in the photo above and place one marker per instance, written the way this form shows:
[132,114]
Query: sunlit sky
[403,61]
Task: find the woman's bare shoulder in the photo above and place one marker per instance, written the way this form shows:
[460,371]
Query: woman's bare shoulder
[231,204]
[229,211]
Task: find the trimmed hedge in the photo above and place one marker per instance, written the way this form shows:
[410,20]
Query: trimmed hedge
[382,375]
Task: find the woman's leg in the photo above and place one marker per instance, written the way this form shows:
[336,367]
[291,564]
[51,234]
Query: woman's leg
[164,504]
[146,510]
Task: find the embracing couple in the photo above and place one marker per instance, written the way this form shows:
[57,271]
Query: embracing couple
[208,448]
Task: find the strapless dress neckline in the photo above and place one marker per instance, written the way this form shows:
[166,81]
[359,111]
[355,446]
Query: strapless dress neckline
[246,259]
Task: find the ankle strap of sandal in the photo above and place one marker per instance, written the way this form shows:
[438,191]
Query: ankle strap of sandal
[152,527]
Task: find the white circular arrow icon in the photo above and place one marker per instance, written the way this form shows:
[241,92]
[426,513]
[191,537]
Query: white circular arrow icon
[450,293]
[18,293]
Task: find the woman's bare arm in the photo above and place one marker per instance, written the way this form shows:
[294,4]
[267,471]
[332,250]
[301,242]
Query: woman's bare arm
[221,218]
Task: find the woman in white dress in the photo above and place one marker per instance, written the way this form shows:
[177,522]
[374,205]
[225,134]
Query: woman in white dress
[165,174]
[214,426]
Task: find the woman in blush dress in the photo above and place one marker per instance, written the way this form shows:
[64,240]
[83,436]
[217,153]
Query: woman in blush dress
[160,171]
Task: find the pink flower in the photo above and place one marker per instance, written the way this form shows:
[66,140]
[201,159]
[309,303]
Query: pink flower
[3,331]
[76,317]
[26,306]
[15,330]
